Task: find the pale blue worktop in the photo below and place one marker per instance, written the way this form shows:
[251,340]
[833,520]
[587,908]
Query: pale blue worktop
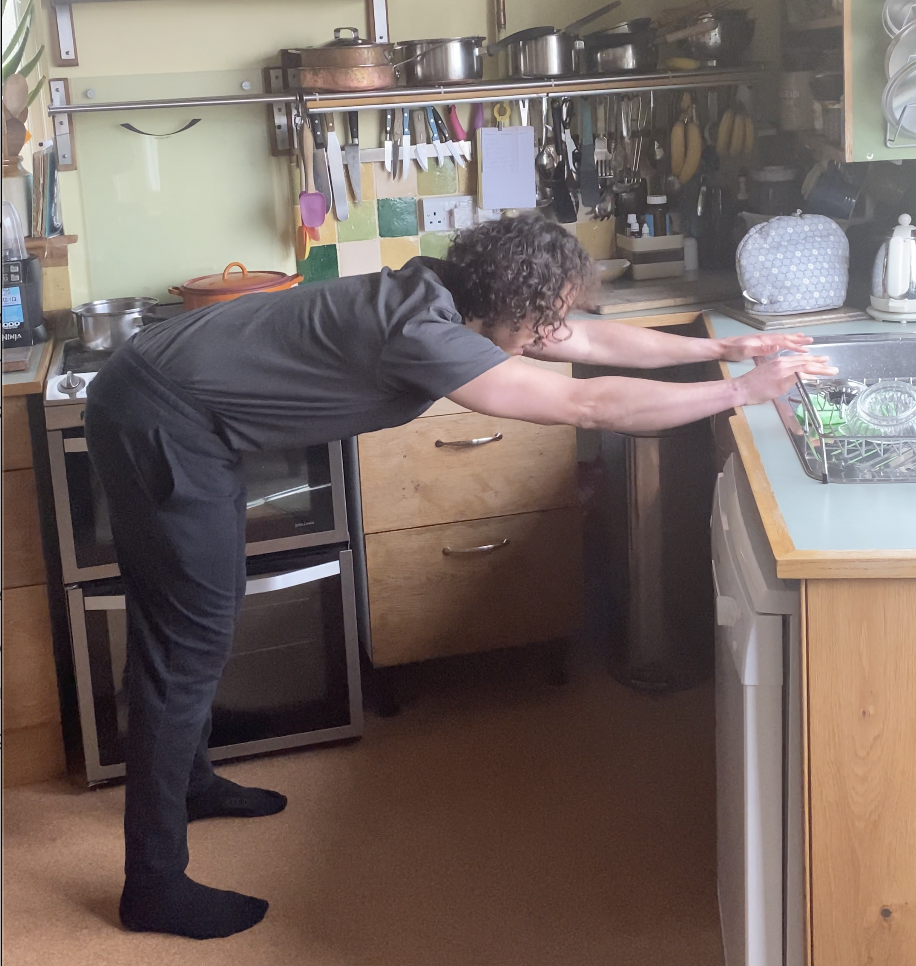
[826,516]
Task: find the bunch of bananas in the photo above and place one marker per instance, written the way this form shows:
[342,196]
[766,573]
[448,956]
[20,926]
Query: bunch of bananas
[686,142]
[736,135]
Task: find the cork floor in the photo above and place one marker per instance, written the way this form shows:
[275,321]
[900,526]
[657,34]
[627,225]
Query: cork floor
[496,821]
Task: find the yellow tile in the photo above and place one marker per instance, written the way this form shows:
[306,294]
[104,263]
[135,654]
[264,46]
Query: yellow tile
[597,237]
[397,251]
[367,177]
[388,187]
[328,231]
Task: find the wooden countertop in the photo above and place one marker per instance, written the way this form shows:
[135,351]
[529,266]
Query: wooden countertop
[30,380]
[819,530]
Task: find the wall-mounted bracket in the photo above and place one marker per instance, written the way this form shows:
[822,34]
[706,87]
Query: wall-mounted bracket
[63,36]
[279,117]
[63,125]
[378,20]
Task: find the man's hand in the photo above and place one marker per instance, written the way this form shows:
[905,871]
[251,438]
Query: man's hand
[737,348]
[770,379]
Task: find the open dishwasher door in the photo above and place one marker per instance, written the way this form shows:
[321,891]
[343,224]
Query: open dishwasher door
[758,737]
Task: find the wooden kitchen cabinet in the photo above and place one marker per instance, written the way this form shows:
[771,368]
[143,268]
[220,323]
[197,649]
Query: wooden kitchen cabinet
[421,502]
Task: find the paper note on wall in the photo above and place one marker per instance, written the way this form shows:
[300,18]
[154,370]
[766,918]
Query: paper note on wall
[506,159]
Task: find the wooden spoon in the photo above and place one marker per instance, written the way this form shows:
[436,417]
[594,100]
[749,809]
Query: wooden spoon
[16,94]
[15,137]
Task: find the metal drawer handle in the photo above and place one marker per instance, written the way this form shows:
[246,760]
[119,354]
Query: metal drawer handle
[471,442]
[486,548]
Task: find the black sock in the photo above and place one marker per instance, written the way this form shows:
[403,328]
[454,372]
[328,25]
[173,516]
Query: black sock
[183,907]
[223,798]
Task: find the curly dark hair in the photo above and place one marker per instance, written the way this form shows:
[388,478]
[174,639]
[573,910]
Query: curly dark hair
[518,268]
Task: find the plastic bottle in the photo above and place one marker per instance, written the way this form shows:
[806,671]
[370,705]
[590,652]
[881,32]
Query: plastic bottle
[657,214]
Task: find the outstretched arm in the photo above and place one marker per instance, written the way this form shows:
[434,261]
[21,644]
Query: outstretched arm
[516,390]
[602,343]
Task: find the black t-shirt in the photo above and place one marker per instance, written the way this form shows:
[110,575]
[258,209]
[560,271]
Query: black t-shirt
[322,361]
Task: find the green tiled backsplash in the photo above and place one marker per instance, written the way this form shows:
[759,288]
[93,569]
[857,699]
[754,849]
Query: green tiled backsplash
[390,215]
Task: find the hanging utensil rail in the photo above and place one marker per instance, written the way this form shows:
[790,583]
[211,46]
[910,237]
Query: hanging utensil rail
[402,97]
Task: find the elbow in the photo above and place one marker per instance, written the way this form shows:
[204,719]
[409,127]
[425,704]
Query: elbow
[590,411]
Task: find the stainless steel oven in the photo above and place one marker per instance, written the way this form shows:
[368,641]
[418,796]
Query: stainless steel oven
[292,678]
[295,500]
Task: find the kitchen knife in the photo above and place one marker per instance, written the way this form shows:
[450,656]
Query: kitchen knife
[434,135]
[336,168]
[405,143]
[453,148]
[351,156]
[419,136]
[459,132]
[588,170]
[389,131]
[322,175]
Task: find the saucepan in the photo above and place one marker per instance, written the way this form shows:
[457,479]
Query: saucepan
[545,51]
[452,60]
[727,34]
[630,47]
[108,323]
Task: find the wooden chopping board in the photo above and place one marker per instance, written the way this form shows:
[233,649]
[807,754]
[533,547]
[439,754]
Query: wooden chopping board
[626,295]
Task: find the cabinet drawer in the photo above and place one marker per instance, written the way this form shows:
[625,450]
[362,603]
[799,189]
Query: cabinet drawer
[23,563]
[17,444]
[425,603]
[409,479]
[29,676]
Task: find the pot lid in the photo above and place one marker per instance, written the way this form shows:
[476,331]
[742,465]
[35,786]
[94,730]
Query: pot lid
[354,40]
[229,281]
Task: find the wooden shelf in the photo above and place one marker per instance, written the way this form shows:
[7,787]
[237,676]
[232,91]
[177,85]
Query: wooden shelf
[822,23]
[817,144]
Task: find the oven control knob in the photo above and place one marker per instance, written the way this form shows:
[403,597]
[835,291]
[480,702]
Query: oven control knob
[71,384]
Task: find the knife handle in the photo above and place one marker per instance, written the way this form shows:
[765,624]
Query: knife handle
[353,122]
[456,124]
[330,119]
[419,128]
[556,110]
[431,121]
[389,123]
[405,122]
[317,133]
[440,125]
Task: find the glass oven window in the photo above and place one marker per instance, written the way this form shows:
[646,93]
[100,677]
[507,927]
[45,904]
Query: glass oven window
[92,540]
[286,674]
[289,493]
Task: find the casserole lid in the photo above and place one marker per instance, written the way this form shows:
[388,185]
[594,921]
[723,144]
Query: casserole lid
[230,282]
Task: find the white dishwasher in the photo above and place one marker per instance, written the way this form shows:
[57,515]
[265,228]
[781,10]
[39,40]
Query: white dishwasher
[758,737]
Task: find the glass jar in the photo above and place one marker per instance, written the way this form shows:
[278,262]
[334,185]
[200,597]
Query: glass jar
[17,190]
[773,190]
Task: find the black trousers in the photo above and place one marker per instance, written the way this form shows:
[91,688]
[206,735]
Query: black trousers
[177,508]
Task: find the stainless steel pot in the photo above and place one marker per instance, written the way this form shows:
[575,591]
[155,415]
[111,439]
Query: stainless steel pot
[109,323]
[545,51]
[630,50]
[457,60]
[726,36]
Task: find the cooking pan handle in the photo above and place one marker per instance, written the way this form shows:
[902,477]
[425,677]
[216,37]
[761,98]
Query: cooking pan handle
[694,30]
[136,130]
[174,290]
[584,21]
[529,33]
[234,265]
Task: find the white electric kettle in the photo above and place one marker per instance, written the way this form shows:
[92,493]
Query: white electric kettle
[893,279]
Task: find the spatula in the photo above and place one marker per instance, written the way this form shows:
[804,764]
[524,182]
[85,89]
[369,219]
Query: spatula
[312,206]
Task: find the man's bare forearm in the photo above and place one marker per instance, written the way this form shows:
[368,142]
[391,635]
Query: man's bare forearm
[635,405]
[618,344]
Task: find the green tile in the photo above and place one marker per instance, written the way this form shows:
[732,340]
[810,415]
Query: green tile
[435,243]
[438,181]
[361,225]
[397,217]
[320,265]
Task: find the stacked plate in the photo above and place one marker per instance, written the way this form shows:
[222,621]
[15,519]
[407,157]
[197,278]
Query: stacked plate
[899,101]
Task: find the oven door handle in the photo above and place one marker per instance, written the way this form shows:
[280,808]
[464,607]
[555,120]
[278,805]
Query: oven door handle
[260,585]
[266,585]
[76,444]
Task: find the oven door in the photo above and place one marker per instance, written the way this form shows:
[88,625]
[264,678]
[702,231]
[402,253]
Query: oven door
[295,500]
[292,678]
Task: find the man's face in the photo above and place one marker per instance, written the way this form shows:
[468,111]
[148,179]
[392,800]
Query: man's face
[513,343]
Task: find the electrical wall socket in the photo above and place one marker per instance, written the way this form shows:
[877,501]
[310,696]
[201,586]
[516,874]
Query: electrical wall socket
[446,212]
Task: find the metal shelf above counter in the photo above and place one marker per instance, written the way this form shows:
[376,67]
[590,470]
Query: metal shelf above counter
[488,91]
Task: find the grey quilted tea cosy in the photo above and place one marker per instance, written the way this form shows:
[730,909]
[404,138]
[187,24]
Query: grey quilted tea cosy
[793,264]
